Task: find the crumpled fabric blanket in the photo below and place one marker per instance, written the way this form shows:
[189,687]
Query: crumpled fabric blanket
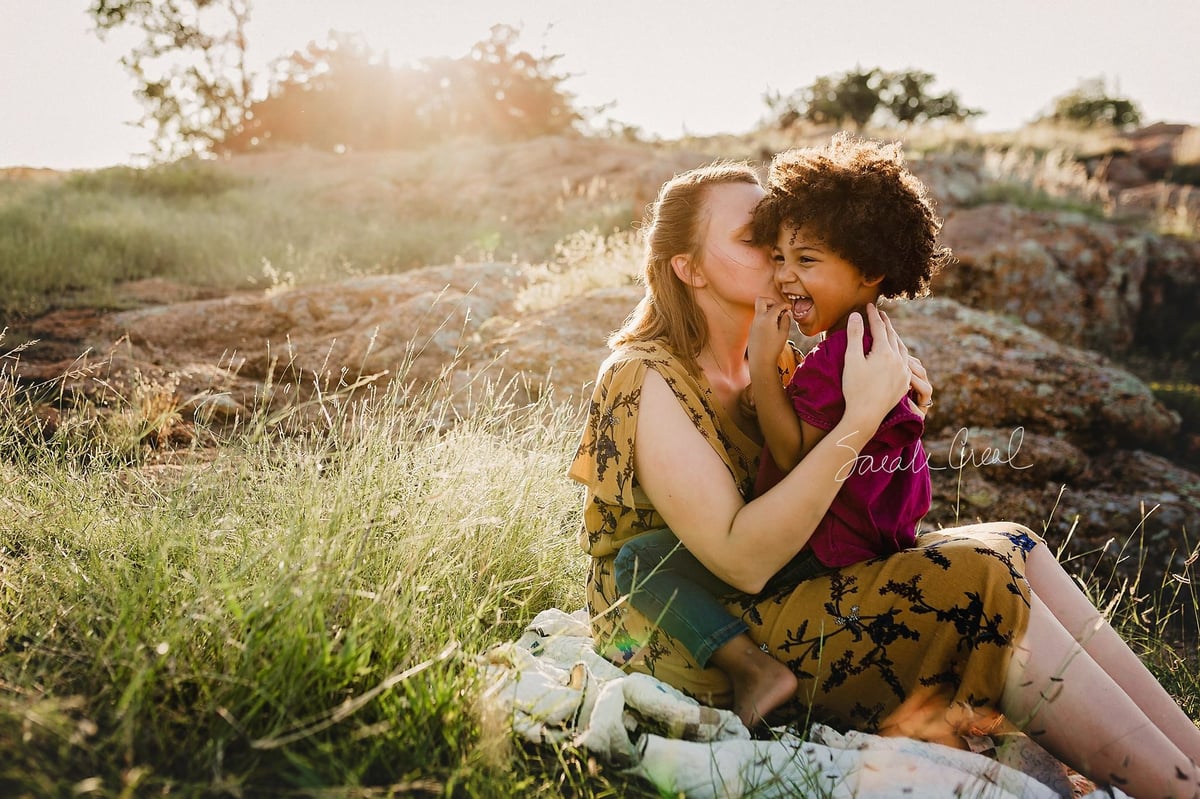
[554,688]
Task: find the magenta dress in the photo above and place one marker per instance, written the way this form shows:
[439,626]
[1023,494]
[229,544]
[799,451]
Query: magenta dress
[886,489]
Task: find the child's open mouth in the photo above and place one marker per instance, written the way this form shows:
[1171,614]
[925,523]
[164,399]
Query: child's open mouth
[801,305]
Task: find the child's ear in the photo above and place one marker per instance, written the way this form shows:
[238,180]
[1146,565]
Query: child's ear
[686,271]
[873,281]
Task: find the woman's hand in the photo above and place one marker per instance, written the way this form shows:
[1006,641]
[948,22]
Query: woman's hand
[874,382]
[920,388]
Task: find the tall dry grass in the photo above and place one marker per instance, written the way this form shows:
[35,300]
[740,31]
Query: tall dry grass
[287,614]
[300,218]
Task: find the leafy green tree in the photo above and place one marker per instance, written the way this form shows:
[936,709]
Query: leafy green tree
[907,98]
[830,99]
[190,67]
[1091,103]
[860,95]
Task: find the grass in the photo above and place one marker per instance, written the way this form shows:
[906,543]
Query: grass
[284,615]
[230,226]
[299,613]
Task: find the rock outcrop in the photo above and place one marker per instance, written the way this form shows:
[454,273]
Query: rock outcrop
[1083,282]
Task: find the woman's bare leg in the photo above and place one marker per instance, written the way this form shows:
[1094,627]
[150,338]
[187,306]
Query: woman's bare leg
[1102,643]
[1065,700]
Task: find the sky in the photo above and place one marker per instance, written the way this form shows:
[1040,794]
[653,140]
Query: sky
[670,67]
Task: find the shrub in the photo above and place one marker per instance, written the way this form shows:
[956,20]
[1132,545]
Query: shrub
[1091,104]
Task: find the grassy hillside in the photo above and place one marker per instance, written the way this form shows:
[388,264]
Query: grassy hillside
[298,217]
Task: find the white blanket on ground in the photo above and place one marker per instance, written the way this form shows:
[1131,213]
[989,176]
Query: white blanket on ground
[554,688]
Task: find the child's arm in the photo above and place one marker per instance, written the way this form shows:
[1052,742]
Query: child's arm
[787,451]
[788,438]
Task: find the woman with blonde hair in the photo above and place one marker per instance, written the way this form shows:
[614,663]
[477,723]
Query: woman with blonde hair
[967,625]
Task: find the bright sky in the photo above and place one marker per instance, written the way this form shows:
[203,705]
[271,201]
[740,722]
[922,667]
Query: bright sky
[670,66]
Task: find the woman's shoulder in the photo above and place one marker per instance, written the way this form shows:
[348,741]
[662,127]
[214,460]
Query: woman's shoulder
[651,352]
[629,362]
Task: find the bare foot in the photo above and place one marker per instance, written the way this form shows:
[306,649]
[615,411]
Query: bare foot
[760,682]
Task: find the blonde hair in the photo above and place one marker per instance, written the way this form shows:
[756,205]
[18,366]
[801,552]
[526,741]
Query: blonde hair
[668,310]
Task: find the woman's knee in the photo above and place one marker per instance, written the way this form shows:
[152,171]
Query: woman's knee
[1005,528]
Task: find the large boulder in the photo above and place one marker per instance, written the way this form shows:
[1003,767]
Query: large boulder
[412,325]
[992,371]
[954,179]
[562,346]
[1083,282]
[1172,206]
[1153,148]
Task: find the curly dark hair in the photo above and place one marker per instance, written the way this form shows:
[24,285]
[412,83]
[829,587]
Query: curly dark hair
[859,199]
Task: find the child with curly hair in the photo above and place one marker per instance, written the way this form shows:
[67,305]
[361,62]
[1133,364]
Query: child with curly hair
[847,224]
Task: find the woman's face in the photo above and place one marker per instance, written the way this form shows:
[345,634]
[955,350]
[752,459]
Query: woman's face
[734,267]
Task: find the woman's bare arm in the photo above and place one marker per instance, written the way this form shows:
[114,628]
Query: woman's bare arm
[746,543]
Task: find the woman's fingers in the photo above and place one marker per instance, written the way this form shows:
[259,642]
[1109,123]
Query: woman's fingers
[918,368]
[885,340]
[854,328]
[881,378]
[901,346]
[921,387]
[879,328]
[894,340]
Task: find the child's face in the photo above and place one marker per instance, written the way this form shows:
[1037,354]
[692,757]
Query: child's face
[822,288]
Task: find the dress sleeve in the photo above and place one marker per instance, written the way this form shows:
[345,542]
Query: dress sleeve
[604,460]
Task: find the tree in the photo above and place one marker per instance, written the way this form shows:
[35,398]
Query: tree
[907,98]
[519,94]
[860,95]
[1090,103]
[191,69]
[334,95]
[340,94]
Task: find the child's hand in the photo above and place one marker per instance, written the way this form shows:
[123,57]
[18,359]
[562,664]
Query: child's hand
[746,405]
[768,334]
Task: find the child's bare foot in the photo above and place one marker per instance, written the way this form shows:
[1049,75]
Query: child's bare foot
[760,682]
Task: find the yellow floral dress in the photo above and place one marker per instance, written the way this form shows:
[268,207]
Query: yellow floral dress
[891,644]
